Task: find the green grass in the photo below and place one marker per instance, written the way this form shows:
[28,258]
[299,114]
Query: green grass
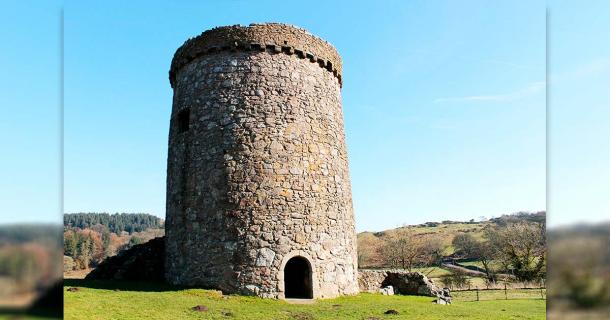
[432,272]
[99,300]
[475,263]
[495,265]
[512,294]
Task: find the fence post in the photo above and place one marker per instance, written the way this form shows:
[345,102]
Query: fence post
[505,292]
[477,293]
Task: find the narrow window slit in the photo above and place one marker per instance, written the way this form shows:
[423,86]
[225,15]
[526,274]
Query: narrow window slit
[184,120]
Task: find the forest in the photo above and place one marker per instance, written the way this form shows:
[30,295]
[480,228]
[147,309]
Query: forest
[89,238]
[115,223]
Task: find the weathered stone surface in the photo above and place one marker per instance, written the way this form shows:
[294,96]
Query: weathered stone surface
[141,262]
[402,282]
[257,164]
[265,257]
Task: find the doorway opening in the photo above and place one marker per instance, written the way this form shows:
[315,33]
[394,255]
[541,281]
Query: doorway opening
[297,279]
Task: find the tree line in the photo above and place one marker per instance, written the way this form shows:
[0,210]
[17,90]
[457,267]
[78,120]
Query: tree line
[89,238]
[116,223]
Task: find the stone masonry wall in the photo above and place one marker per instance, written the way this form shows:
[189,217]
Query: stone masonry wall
[274,37]
[261,174]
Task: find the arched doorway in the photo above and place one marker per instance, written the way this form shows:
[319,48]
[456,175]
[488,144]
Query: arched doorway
[297,279]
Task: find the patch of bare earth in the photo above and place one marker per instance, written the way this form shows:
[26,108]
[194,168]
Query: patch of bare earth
[77,274]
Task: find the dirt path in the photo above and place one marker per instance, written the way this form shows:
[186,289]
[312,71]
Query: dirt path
[465,270]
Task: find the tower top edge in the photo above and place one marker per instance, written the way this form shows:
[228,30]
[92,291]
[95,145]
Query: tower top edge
[277,37]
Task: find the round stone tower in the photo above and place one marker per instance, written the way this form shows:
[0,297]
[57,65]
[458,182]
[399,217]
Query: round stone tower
[258,190]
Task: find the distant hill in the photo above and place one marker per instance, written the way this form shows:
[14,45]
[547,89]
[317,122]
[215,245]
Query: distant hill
[116,223]
[539,217]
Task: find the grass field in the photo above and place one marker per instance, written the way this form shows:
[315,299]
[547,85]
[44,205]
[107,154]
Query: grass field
[432,272]
[116,300]
[512,294]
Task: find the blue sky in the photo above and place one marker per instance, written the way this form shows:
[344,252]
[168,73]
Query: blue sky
[30,112]
[444,111]
[579,145]
[444,104]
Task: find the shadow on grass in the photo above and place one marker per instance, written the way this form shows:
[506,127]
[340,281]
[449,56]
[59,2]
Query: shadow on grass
[117,285]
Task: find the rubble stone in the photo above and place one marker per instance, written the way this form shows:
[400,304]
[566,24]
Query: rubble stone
[402,282]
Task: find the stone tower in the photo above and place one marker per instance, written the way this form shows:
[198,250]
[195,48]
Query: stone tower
[258,190]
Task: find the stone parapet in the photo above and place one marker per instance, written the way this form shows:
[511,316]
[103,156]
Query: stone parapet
[269,37]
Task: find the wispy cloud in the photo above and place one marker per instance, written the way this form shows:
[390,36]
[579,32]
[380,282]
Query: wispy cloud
[529,90]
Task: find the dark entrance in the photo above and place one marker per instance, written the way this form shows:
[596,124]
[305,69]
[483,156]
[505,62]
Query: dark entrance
[297,279]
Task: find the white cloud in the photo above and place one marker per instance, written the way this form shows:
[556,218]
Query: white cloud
[529,90]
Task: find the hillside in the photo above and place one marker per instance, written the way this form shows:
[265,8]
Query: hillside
[371,241]
[445,232]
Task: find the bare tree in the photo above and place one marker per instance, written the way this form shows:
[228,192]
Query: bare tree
[466,245]
[405,249]
[483,251]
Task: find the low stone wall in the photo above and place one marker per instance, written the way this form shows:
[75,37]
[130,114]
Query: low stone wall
[403,282]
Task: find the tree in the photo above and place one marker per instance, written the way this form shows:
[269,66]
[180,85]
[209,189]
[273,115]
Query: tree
[84,253]
[68,264]
[405,249]
[133,241]
[400,249]
[485,253]
[432,249]
[106,243]
[520,247]
[465,245]
[70,245]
